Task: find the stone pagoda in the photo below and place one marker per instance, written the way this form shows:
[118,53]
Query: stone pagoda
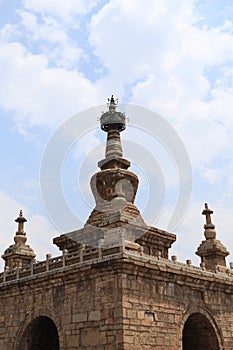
[114,188]
[114,286]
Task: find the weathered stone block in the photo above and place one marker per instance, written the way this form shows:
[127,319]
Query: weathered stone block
[72,341]
[90,336]
[79,317]
[94,315]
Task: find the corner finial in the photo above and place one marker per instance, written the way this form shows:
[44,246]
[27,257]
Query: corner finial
[19,254]
[209,227]
[21,220]
[207,212]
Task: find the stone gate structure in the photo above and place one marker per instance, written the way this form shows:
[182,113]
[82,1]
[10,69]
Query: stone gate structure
[114,286]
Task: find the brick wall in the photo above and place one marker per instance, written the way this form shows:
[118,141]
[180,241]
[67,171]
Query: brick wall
[118,302]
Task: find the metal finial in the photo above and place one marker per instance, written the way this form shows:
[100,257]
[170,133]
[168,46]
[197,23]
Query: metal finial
[112,102]
[112,119]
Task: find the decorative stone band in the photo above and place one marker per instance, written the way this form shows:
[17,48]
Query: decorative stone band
[113,146]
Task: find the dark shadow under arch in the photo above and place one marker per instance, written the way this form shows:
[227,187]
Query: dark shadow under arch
[40,334]
[199,334]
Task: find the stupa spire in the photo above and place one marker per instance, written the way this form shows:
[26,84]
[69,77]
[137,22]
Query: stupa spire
[114,187]
[113,122]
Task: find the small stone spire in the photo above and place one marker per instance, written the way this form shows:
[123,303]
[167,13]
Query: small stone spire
[209,232]
[20,236]
[207,212]
[211,250]
[19,254]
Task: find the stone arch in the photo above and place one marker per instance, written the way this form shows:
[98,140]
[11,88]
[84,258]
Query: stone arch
[40,334]
[199,331]
[34,320]
[199,334]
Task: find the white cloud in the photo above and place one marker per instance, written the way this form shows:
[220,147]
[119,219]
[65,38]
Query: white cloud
[56,43]
[64,10]
[49,26]
[162,51]
[37,94]
[212,175]
[139,36]
[173,65]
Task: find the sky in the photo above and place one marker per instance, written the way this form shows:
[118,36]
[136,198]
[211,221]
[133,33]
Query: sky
[61,58]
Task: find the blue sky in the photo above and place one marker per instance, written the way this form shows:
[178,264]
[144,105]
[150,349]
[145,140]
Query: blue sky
[58,58]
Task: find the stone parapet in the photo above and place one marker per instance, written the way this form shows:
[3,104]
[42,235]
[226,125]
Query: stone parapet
[129,252]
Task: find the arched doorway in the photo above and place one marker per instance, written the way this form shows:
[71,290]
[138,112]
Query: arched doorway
[40,334]
[199,334]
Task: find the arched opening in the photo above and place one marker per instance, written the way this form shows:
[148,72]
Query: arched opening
[199,334]
[40,334]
